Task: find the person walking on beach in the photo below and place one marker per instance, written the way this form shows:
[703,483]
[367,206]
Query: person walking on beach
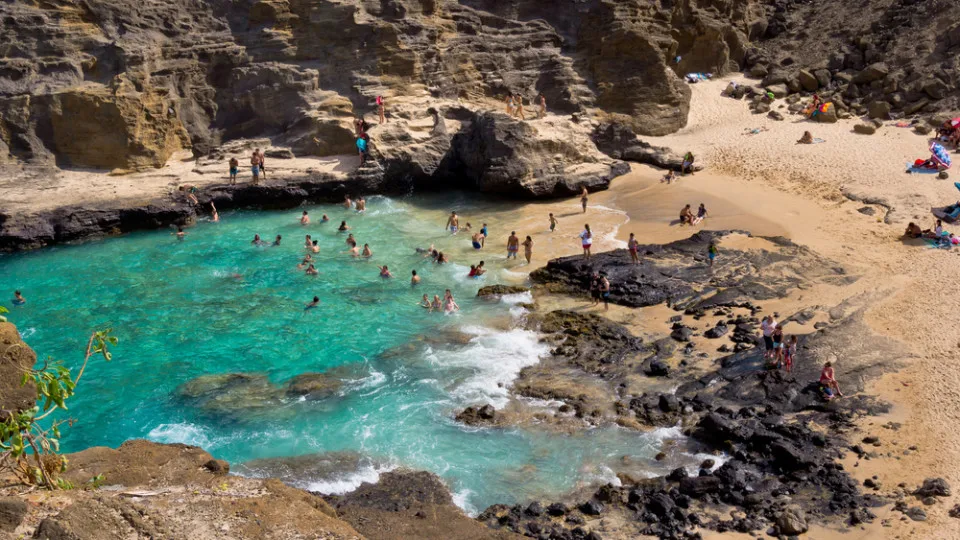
[553,223]
[255,165]
[586,240]
[634,248]
[605,291]
[453,223]
[583,199]
[234,168]
[767,326]
[513,245]
[541,106]
[528,249]
[712,252]
[305,219]
[380,109]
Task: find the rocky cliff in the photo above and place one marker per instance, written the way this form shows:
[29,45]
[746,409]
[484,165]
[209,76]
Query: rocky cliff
[124,85]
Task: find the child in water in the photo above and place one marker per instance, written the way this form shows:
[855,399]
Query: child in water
[425,302]
[311,305]
[385,272]
[18,299]
[436,305]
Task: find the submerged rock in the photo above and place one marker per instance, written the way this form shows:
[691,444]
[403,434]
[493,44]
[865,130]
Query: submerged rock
[313,386]
[500,290]
[233,396]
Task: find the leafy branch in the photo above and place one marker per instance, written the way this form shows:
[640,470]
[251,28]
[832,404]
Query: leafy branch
[21,435]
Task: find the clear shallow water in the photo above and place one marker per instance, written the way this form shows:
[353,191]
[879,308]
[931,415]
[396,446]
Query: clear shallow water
[214,304]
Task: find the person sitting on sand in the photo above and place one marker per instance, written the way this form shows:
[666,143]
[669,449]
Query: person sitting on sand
[669,177]
[913,231]
[311,305]
[343,227]
[385,272]
[687,166]
[415,280]
[806,139]
[828,381]
[937,231]
[305,218]
[311,271]
[425,302]
[18,299]
[701,214]
[367,252]
[686,215]
[192,191]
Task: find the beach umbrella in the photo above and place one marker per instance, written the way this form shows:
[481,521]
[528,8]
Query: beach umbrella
[940,155]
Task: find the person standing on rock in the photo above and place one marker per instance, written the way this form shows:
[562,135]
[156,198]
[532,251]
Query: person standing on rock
[586,240]
[584,196]
[712,252]
[528,249]
[380,111]
[192,191]
[263,170]
[634,248]
[255,165]
[453,223]
[595,289]
[519,102]
[541,106]
[510,104]
[234,168]
[827,379]
[362,148]
[767,326]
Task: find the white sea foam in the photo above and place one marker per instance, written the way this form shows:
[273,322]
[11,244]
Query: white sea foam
[461,498]
[517,298]
[346,482]
[183,433]
[27,332]
[495,357]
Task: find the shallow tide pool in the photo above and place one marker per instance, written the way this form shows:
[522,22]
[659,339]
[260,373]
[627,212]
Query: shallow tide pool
[213,304]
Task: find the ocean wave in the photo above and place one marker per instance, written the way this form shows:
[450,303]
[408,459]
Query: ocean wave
[461,498]
[183,433]
[517,298]
[341,483]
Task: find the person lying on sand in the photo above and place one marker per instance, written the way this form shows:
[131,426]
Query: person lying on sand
[806,139]
[913,231]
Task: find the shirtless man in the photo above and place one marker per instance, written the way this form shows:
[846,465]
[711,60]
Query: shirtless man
[311,305]
[305,219]
[234,168]
[255,165]
[263,170]
[477,240]
[513,245]
[366,251]
[347,203]
[307,242]
[415,280]
[480,269]
[315,247]
[453,223]
[553,223]
[361,205]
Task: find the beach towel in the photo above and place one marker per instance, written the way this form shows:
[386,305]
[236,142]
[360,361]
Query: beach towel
[697,77]
[913,169]
[817,140]
[903,124]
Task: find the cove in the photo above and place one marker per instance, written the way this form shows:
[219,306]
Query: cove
[213,304]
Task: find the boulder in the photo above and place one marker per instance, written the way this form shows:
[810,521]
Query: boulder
[778,90]
[808,80]
[828,117]
[313,386]
[865,129]
[937,487]
[935,88]
[698,486]
[16,356]
[874,72]
[761,107]
[879,109]
[500,290]
[473,416]
[792,521]
[759,71]
[12,512]
[823,77]
[774,115]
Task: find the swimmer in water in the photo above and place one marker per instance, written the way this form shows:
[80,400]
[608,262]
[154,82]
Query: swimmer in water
[324,218]
[453,223]
[480,269]
[425,302]
[347,203]
[436,305]
[385,272]
[426,251]
[354,251]
[351,241]
[277,241]
[256,240]
[315,247]
[307,242]
[441,258]
[366,251]
[214,215]
[343,226]
[415,280]
[473,271]
[311,271]
[180,234]
[477,240]
[18,299]
[449,304]
[305,219]
[305,262]
[311,305]
[361,205]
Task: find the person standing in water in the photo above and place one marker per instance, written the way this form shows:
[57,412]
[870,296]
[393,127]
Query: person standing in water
[214,215]
[586,240]
[414,281]
[553,223]
[307,242]
[528,249]
[453,223]
[361,205]
[311,305]
[477,240]
[449,304]
[347,203]
[583,199]
[234,169]
[634,247]
[480,269]
[367,252]
[18,299]
[485,233]
[425,302]
[256,240]
[180,234]
[436,305]
[276,242]
[343,227]
[311,271]
[513,245]
[324,218]
[305,218]
[385,272]
[315,247]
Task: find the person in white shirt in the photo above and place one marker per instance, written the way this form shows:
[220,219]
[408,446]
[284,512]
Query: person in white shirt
[767,326]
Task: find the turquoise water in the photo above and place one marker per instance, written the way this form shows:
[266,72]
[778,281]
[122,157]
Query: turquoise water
[212,303]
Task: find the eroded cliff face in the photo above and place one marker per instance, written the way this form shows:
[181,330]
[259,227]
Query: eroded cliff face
[123,85]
